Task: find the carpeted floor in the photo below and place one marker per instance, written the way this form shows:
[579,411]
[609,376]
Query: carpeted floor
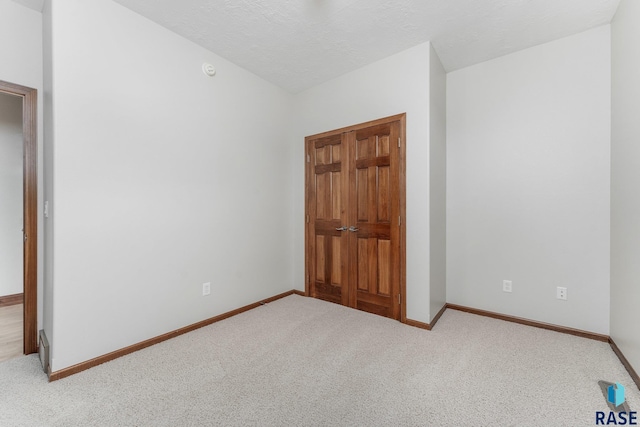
[300,361]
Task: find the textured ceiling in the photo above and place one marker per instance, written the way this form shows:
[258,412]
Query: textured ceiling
[298,44]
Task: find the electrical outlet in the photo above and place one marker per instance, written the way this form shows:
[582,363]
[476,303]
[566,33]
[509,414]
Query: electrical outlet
[506,285]
[561,293]
[206,288]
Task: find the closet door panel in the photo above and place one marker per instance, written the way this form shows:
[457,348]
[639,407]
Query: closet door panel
[327,244]
[375,234]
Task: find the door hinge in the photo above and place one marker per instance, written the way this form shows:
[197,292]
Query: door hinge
[307,219]
[308,158]
[398,142]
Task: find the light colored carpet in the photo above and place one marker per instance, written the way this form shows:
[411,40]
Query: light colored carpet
[300,361]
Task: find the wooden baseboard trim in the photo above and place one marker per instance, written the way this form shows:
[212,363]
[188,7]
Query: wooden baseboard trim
[418,324]
[14,299]
[437,316]
[63,373]
[427,326]
[634,375]
[301,293]
[535,324]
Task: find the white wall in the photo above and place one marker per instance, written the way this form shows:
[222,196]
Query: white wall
[21,53]
[11,259]
[528,138]
[437,183]
[625,181]
[394,85]
[163,179]
[47,160]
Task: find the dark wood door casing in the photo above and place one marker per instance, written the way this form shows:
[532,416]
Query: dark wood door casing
[357,173]
[30,209]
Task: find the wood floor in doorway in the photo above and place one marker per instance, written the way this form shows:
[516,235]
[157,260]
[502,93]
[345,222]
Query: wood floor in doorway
[11,331]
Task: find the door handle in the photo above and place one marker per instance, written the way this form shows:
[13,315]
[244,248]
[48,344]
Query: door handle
[353,229]
[343,228]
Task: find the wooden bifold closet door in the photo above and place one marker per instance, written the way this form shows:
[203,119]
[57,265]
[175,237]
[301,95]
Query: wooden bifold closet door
[355,216]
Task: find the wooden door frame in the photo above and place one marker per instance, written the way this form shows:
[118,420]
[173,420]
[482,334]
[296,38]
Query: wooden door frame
[30,210]
[402,118]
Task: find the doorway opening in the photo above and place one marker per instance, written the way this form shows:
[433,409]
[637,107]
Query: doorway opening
[29,237]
